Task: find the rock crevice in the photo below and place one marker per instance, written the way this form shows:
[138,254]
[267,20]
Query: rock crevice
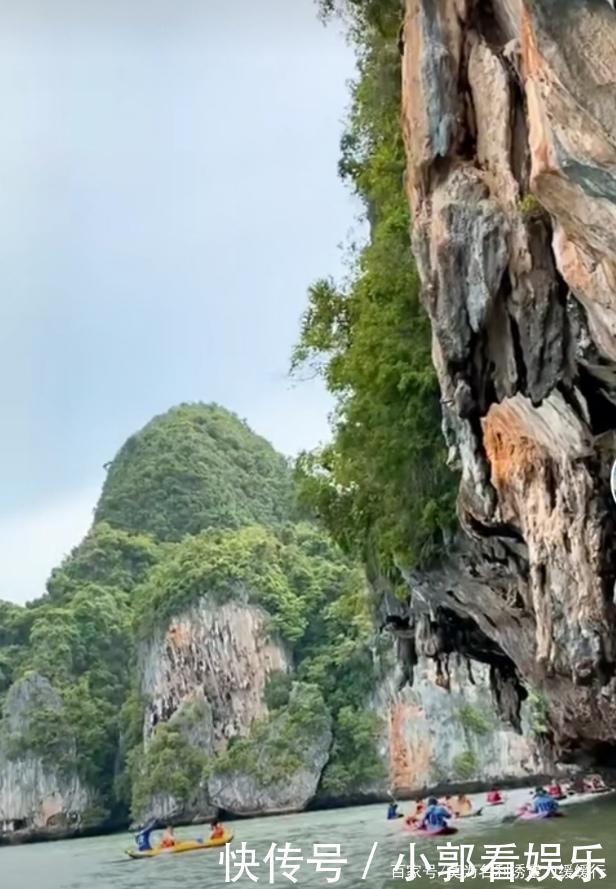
[509,115]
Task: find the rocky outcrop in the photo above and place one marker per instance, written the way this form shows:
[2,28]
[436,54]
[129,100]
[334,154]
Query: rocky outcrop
[37,796]
[509,113]
[205,677]
[446,729]
[222,654]
[194,723]
[280,771]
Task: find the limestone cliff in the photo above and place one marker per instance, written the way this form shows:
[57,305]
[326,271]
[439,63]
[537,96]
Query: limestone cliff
[436,733]
[217,659]
[38,796]
[509,115]
[221,652]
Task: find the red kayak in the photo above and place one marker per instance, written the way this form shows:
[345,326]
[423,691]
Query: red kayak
[500,802]
[441,832]
[526,815]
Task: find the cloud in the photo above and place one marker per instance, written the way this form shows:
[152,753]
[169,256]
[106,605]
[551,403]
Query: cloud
[33,541]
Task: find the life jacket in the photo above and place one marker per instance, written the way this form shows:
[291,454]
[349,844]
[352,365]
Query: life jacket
[143,840]
[435,817]
[545,804]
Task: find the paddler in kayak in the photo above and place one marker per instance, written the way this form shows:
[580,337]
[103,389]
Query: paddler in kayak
[495,797]
[413,818]
[168,840]
[555,790]
[435,817]
[392,811]
[543,804]
[218,830]
[595,784]
[142,838]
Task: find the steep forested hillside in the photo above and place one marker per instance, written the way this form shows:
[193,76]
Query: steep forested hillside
[193,468]
[196,509]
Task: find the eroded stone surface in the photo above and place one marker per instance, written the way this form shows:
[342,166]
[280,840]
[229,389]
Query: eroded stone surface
[223,653]
[445,728]
[510,123]
[35,795]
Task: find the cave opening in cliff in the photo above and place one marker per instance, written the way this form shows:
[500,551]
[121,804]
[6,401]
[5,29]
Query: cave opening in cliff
[590,754]
[452,633]
[601,408]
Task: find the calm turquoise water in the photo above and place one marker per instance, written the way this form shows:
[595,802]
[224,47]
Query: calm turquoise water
[99,863]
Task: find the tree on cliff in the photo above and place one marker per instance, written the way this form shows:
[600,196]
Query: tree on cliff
[381,486]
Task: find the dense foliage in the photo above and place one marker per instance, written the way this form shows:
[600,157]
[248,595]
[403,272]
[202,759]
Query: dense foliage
[196,467]
[319,603]
[281,744]
[171,766]
[78,643]
[381,486]
[279,572]
[107,556]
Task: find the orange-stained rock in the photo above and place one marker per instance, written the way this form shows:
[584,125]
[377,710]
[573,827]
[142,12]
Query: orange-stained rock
[427,739]
[510,129]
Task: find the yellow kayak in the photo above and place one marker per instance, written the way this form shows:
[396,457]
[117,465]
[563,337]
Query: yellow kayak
[183,846]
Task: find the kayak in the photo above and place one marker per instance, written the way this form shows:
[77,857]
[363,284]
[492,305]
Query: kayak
[500,802]
[184,846]
[441,832]
[471,814]
[538,816]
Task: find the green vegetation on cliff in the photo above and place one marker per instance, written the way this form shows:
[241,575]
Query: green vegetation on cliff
[381,487]
[279,745]
[219,532]
[289,573]
[171,766]
[319,604]
[196,467]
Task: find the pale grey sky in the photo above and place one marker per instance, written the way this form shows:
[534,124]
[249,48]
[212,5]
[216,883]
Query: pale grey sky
[168,190]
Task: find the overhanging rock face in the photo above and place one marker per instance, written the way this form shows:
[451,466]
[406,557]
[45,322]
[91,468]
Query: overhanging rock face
[509,113]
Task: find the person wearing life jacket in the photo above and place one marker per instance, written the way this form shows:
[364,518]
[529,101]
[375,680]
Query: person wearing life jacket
[142,839]
[494,797]
[543,804]
[168,840]
[435,817]
[218,831]
[555,790]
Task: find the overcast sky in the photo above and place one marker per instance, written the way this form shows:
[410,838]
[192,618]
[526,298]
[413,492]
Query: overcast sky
[168,190]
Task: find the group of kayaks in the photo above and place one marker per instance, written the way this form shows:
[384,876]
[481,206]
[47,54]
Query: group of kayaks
[433,820]
[417,824]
